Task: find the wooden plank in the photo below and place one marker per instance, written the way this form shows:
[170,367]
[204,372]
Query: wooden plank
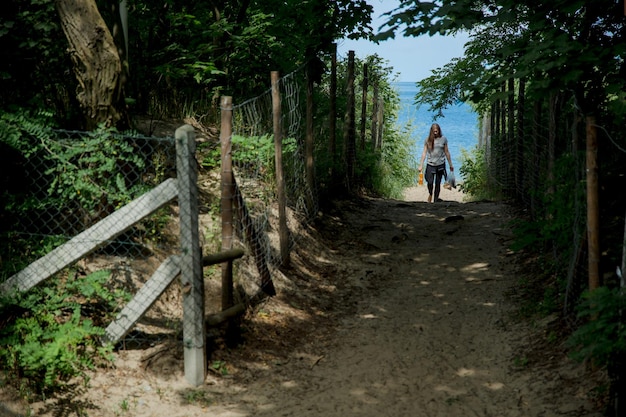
[143,300]
[283,231]
[92,238]
[252,239]
[226,197]
[219,318]
[221,257]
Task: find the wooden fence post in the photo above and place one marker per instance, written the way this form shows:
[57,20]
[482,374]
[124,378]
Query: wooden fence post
[190,257]
[350,128]
[309,141]
[227,197]
[364,106]
[283,232]
[593,207]
[381,121]
[375,139]
[332,143]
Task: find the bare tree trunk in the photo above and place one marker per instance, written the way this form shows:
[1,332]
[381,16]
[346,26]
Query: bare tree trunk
[332,113]
[97,64]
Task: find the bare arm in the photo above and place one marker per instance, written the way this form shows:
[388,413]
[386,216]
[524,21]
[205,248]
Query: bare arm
[447,152]
[423,157]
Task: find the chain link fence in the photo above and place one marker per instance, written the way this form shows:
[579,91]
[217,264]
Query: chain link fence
[77,204]
[126,208]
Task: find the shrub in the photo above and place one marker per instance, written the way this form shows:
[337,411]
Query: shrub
[474,172]
[51,333]
[602,337]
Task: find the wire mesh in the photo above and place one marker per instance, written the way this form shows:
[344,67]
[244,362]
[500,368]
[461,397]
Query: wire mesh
[254,167]
[540,166]
[90,202]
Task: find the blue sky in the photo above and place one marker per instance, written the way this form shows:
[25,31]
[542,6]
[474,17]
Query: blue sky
[412,58]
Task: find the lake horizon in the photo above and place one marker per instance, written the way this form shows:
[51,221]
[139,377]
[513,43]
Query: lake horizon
[459,123]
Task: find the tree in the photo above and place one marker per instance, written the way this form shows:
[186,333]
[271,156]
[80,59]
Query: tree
[96,62]
[179,56]
[564,46]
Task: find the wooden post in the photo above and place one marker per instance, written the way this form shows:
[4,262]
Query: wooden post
[511,136]
[623,266]
[519,141]
[381,120]
[190,257]
[364,106]
[332,143]
[349,129]
[552,117]
[283,232]
[309,142]
[227,196]
[375,141]
[593,209]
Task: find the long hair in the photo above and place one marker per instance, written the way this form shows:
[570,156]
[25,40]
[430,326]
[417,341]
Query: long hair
[432,135]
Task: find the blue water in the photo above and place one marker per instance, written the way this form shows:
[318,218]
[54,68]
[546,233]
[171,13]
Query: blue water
[459,124]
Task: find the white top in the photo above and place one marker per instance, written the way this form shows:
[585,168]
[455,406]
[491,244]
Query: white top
[437,156]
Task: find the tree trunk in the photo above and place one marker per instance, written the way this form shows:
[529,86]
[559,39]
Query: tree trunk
[96,61]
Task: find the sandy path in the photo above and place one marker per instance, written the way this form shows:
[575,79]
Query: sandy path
[400,313]
[432,334]
[428,340]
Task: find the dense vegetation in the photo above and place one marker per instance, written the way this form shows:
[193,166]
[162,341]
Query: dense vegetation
[168,61]
[549,78]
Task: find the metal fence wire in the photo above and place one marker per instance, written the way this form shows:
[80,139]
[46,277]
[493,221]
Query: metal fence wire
[105,203]
[253,162]
[54,215]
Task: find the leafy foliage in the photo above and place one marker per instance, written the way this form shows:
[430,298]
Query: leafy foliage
[193,53]
[96,173]
[602,337]
[385,171]
[396,167]
[92,176]
[181,55]
[48,335]
[33,65]
[474,172]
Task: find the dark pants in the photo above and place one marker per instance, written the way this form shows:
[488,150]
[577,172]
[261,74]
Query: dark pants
[434,174]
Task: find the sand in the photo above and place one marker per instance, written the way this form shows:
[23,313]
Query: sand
[390,308]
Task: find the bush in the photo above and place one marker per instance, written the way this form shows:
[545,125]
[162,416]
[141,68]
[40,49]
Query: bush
[51,333]
[602,337]
[92,175]
[474,172]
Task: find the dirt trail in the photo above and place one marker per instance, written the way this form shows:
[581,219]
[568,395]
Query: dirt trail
[397,312]
[432,334]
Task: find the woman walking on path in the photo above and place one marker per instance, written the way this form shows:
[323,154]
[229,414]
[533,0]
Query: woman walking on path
[436,147]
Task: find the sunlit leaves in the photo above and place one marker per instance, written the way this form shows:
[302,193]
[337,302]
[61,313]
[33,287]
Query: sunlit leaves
[561,45]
